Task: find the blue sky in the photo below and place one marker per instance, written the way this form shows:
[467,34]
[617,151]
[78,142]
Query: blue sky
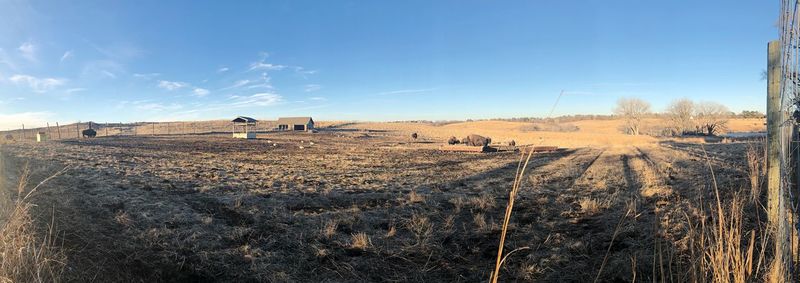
[120,61]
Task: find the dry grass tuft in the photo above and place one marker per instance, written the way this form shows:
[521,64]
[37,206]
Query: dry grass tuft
[458,203]
[330,228]
[414,197]
[484,202]
[422,228]
[360,241]
[756,168]
[480,222]
[590,206]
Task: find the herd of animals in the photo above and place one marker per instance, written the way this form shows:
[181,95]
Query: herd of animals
[471,140]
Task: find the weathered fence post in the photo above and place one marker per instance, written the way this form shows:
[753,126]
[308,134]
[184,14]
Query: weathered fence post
[78,130]
[23,132]
[58,129]
[776,196]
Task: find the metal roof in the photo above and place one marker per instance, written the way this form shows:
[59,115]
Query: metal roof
[294,120]
[243,119]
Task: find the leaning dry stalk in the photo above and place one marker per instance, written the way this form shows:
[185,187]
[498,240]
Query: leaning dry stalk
[511,196]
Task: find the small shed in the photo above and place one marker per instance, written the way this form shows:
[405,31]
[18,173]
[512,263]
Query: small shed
[244,127]
[295,123]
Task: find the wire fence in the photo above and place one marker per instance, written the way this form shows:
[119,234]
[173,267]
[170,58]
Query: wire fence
[789,115]
[57,131]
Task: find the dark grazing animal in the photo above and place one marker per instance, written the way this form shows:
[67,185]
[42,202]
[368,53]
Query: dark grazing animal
[476,140]
[452,141]
[414,136]
[512,143]
[89,133]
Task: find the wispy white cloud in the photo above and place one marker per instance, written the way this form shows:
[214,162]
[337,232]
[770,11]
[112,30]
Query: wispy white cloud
[266,66]
[223,69]
[74,90]
[147,76]
[312,87]
[40,85]
[159,107]
[30,119]
[236,84]
[200,92]
[258,99]
[263,65]
[265,82]
[28,51]
[302,71]
[408,91]
[119,51]
[102,69]
[317,98]
[170,85]
[66,56]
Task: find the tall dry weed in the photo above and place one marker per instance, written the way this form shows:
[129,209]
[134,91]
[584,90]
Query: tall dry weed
[756,168]
[26,253]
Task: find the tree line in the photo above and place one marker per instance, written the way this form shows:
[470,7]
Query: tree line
[682,116]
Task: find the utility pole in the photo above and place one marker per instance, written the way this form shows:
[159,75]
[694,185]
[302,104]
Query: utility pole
[776,196]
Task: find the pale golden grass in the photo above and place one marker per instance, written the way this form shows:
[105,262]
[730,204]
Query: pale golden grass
[484,202]
[414,197]
[480,222]
[330,228]
[422,228]
[591,206]
[360,241]
[756,168]
[27,254]
[725,246]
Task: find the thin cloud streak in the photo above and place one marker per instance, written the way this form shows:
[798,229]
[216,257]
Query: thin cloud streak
[407,91]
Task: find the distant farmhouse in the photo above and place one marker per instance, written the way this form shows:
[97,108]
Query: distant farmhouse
[295,123]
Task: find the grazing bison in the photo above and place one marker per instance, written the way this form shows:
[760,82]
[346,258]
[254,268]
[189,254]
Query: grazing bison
[476,140]
[414,136]
[512,143]
[89,133]
[452,141]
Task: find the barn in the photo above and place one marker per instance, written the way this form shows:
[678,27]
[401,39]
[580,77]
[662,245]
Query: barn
[295,123]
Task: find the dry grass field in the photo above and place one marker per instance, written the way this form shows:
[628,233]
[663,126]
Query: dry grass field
[363,202]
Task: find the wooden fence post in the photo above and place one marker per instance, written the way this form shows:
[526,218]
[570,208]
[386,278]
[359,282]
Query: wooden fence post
[58,129]
[78,130]
[776,196]
[23,132]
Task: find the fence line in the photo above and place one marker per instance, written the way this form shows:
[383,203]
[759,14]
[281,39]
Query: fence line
[106,129]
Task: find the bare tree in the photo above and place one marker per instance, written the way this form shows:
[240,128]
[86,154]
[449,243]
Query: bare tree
[680,113]
[633,110]
[712,117]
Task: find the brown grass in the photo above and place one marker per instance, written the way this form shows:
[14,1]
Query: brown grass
[360,241]
[590,206]
[756,168]
[27,254]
